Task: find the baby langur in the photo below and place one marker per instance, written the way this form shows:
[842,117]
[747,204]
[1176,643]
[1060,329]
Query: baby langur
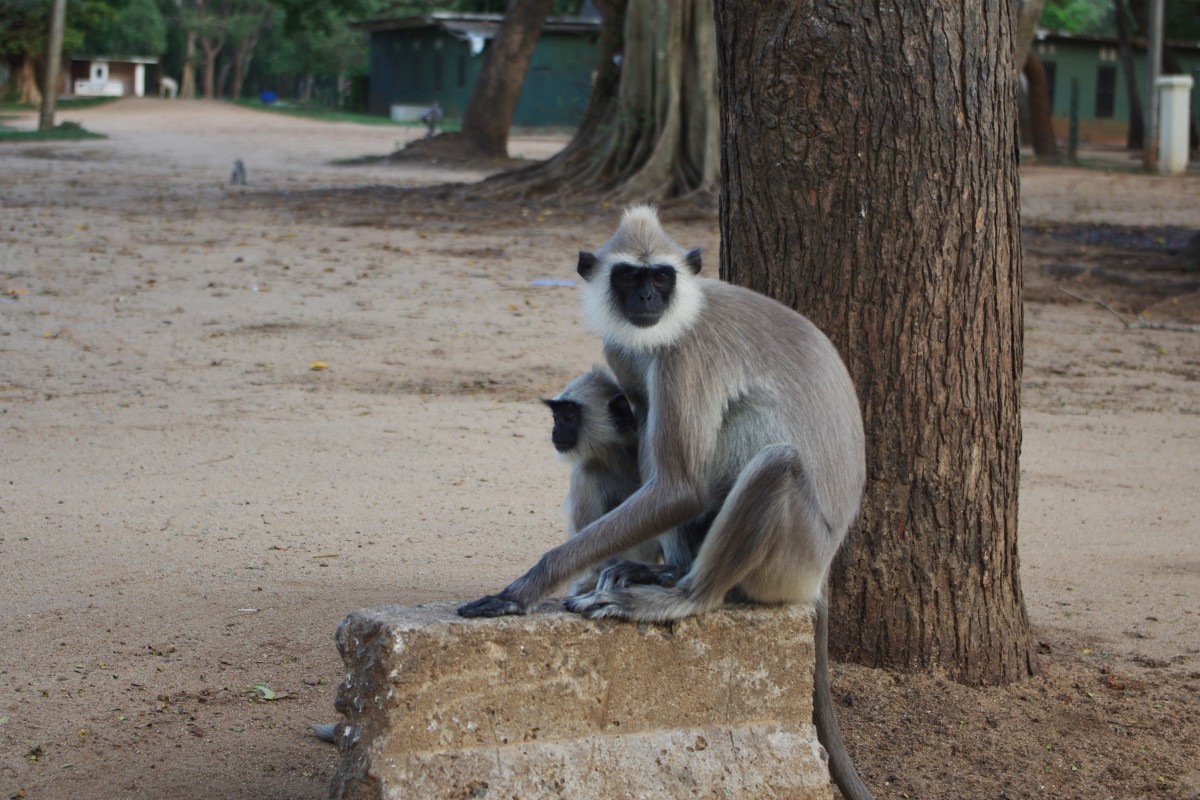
[750,442]
[596,433]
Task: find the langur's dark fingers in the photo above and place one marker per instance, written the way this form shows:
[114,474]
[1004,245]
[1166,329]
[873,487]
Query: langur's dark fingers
[491,606]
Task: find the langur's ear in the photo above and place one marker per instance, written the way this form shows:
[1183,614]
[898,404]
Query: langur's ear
[587,265]
[621,413]
[692,259]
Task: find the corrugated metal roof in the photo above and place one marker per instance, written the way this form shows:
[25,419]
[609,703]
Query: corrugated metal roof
[484,26]
[464,29]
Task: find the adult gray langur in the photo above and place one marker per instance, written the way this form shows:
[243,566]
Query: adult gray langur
[751,450]
[595,431]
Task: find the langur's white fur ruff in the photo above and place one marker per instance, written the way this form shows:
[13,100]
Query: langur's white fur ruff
[641,241]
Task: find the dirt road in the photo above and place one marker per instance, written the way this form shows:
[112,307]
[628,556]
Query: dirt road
[224,426]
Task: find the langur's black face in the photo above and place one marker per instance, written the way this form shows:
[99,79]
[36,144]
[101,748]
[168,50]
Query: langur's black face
[568,419]
[640,293]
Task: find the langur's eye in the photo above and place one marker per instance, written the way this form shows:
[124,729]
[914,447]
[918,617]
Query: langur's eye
[662,281]
[624,277]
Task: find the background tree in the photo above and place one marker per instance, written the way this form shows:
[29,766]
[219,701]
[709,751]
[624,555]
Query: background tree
[489,112]
[53,68]
[651,128]
[1093,17]
[24,27]
[210,21]
[1041,128]
[1027,62]
[246,28]
[127,28]
[1136,135]
[871,182]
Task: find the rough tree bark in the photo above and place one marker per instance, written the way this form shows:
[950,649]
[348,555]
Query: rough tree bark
[871,182]
[1044,143]
[187,77]
[212,40]
[257,22]
[651,131]
[488,116]
[27,81]
[53,69]
[1028,14]
[1136,135]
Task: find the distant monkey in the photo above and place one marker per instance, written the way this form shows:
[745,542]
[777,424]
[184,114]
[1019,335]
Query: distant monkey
[752,451]
[596,433]
[167,87]
[239,173]
[432,118]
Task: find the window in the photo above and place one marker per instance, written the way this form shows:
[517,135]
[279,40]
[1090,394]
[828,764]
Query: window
[437,71]
[1106,90]
[462,71]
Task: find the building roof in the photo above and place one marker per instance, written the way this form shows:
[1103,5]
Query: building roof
[475,26]
[1138,42]
[118,59]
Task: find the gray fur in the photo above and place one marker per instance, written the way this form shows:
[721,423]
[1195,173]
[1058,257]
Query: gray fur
[604,466]
[751,450]
[730,375]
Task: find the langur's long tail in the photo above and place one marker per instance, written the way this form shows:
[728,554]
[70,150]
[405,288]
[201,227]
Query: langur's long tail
[841,767]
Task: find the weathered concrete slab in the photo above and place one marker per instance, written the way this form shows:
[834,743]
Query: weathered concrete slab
[555,706]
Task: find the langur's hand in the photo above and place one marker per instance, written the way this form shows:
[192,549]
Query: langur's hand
[494,605]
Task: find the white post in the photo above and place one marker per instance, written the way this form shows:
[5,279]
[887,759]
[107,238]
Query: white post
[1174,100]
[139,80]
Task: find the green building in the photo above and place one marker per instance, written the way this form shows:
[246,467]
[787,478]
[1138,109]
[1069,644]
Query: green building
[1095,62]
[417,61]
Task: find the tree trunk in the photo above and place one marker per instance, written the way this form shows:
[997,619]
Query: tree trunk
[54,46]
[212,48]
[494,97]
[1136,135]
[223,78]
[871,182]
[27,82]
[651,131]
[1028,14]
[1044,143]
[187,77]
[244,52]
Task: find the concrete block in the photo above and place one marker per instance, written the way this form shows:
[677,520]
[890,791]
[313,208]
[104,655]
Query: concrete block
[552,705]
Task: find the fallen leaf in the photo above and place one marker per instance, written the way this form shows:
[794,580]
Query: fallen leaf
[317,366]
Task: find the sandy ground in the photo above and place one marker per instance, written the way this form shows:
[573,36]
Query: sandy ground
[188,508]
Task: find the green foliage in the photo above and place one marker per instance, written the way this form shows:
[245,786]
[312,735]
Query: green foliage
[1079,16]
[127,28]
[1181,18]
[23,26]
